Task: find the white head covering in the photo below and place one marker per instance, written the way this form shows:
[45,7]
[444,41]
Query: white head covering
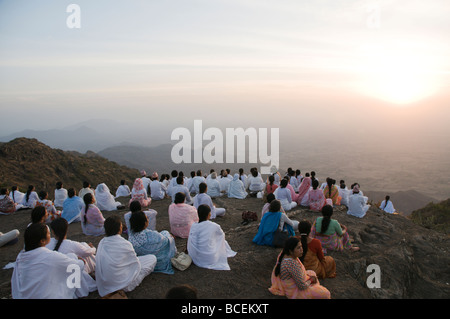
[105,200]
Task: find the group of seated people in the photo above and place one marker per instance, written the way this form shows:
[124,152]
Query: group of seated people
[299,266]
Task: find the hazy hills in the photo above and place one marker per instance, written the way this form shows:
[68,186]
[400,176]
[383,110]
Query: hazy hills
[26,162]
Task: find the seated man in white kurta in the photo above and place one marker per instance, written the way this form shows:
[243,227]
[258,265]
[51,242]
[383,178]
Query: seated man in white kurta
[204,198]
[40,273]
[357,204]
[117,265]
[206,243]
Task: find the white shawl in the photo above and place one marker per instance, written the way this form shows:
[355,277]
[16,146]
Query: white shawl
[43,274]
[105,200]
[207,246]
[117,265]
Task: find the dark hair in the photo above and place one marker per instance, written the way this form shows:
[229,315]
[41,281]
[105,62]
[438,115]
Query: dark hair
[135,206]
[59,185]
[270,197]
[315,184]
[275,206]
[33,236]
[3,191]
[203,211]
[289,246]
[43,194]
[202,187]
[112,225]
[122,182]
[304,228]
[330,184]
[241,171]
[182,292]
[59,227]
[192,173]
[327,212]
[387,199]
[199,173]
[37,214]
[180,180]
[87,199]
[137,221]
[86,184]
[283,183]
[29,190]
[71,192]
[271,179]
[179,198]
[174,173]
[13,189]
[255,173]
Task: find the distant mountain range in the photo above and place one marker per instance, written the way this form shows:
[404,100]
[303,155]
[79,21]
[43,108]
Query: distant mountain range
[26,162]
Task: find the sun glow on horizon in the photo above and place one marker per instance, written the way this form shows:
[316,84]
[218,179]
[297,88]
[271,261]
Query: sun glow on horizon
[400,77]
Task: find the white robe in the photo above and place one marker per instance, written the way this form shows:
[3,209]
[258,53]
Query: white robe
[118,267]
[18,197]
[105,200]
[224,183]
[181,189]
[207,246]
[389,208]
[255,184]
[157,190]
[344,193]
[80,249]
[213,188]
[60,197]
[236,188]
[205,199]
[123,191]
[357,205]
[44,274]
[196,181]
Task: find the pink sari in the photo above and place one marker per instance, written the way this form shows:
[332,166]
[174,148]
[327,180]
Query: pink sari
[316,200]
[303,189]
[139,193]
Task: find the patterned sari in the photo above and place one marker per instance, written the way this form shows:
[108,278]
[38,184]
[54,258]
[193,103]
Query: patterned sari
[292,282]
[334,195]
[316,200]
[331,242]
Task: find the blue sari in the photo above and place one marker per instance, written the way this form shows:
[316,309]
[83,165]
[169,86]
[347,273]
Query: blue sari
[162,245]
[268,226]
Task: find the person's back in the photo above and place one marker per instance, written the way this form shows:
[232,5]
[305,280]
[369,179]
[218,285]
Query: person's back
[40,273]
[157,189]
[146,241]
[117,265]
[72,208]
[387,205]
[356,204]
[213,186]
[206,243]
[181,216]
[60,195]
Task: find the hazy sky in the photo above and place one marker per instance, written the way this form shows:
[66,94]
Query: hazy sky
[258,63]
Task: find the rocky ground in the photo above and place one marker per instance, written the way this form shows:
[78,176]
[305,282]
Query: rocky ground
[414,261]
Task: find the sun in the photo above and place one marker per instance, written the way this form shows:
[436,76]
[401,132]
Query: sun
[397,76]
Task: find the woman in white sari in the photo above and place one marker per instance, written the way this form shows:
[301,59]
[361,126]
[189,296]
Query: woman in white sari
[40,273]
[236,189]
[117,265]
[105,200]
[206,243]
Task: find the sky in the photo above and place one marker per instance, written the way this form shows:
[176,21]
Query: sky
[311,65]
